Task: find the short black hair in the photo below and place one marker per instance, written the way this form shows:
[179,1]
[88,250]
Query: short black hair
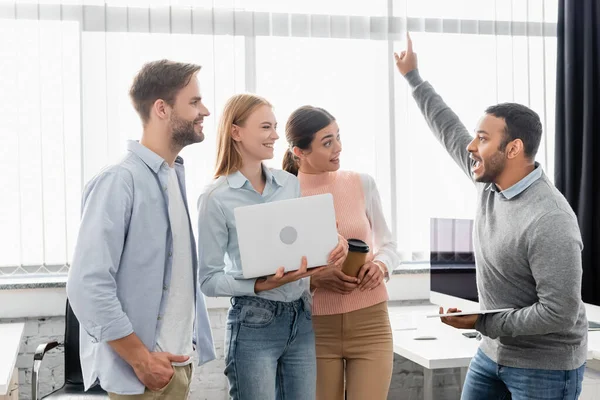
[521,123]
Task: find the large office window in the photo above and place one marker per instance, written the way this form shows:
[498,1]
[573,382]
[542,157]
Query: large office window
[67,66]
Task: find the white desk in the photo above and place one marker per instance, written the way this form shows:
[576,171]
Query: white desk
[10,341]
[450,349]
[593,314]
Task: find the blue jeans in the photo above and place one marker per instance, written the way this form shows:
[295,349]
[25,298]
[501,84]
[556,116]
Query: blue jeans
[487,380]
[270,350]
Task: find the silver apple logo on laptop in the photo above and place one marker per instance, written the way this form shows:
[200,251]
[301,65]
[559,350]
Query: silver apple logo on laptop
[288,235]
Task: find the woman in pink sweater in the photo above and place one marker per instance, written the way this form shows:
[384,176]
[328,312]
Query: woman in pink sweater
[350,315]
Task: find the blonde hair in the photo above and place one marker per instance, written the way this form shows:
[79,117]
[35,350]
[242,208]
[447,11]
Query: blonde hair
[236,112]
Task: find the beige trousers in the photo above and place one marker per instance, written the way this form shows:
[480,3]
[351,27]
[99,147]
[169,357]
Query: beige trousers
[178,388]
[361,339]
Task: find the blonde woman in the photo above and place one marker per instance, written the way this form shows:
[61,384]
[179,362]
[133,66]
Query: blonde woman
[270,344]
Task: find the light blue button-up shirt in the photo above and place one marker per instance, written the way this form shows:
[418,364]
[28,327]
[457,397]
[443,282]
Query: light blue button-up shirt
[122,266]
[218,251]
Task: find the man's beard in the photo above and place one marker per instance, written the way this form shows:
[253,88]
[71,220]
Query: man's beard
[184,132]
[493,168]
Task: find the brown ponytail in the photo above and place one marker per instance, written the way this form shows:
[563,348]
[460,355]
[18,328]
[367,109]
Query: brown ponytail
[290,163]
[300,130]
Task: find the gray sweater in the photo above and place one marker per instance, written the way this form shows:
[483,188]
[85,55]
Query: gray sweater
[528,257]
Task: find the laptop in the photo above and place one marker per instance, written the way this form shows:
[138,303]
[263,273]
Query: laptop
[279,233]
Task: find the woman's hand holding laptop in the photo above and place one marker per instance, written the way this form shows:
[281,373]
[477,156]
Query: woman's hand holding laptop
[336,259]
[281,278]
[339,254]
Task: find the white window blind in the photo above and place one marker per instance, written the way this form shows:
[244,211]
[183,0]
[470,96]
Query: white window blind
[67,67]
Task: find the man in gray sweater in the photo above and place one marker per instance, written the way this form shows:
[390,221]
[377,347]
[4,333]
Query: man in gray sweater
[527,250]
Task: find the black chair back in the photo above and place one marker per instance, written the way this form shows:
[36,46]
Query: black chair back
[73,387]
[73,373]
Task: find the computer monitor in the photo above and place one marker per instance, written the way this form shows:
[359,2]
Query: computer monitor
[452,258]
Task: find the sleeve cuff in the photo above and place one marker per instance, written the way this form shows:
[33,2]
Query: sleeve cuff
[117,329]
[245,287]
[480,325]
[413,78]
[387,264]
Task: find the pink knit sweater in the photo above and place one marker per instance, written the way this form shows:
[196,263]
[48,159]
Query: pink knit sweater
[351,215]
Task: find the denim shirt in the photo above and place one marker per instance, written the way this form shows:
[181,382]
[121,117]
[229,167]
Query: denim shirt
[122,266]
[218,250]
